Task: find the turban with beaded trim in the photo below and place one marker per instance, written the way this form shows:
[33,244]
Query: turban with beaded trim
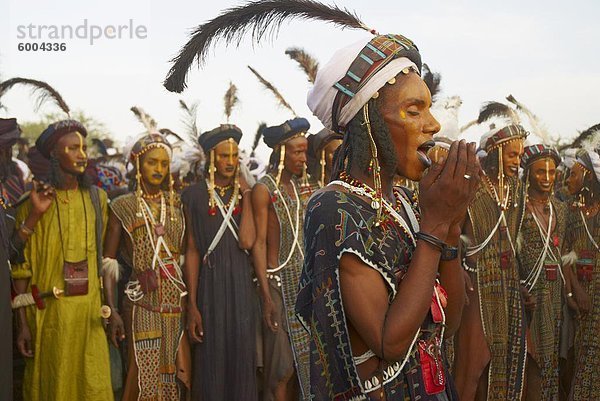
[210,139]
[279,134]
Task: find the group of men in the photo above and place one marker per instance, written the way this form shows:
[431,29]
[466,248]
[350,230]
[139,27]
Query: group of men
[479,285]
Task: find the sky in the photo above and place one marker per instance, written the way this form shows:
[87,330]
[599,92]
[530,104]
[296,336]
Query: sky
[544,53]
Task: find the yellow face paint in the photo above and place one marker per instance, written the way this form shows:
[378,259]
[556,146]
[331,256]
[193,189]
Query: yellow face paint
[402,114]
[548,169]
[81,151]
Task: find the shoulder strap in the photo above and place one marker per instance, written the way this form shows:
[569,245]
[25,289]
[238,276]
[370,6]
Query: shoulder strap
[95,197]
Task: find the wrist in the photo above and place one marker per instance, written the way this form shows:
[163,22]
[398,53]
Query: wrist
[438,230]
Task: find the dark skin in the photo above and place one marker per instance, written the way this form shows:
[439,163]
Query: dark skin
[70,151]
[373,323]
[330,149]
[154,166]
[226,162]
[467,384]
[578,179]
[265,252]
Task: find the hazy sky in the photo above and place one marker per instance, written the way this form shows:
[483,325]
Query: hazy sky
[544,53]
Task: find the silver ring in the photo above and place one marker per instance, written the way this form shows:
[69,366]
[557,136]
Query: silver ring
[467,176]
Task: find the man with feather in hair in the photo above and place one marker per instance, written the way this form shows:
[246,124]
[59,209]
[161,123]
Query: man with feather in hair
[582,246]
[368,298]
[490,349]
[539,246]
[146,227]
[221,310]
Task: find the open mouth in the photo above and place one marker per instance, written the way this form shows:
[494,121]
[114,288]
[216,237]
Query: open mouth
[157,176]
[422,153]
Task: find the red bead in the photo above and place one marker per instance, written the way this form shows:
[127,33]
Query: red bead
[212,211]
[273,198]
[237,210]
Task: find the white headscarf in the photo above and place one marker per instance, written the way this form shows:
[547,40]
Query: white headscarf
[321,96]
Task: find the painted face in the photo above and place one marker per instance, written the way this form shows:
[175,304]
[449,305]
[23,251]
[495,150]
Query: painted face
[542,175]
[295,155]
[576,179]
[405,109]
[226,158]
[511,157]
[330,149]
[71,152]
[154,167]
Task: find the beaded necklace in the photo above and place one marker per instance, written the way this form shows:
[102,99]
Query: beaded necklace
[392,213]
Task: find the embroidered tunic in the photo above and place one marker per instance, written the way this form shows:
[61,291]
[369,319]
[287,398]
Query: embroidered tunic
[546,318]
[585,385]
[499,292]
[284,289]
[154,324]
[338,223]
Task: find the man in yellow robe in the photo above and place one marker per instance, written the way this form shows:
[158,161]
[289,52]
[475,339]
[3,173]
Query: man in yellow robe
[64,343]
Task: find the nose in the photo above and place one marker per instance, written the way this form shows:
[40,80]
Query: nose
[303,157]
[432,126]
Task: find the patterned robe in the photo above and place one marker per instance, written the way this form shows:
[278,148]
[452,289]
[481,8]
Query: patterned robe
[585,385]
[284,289]
[501,306]
[338,223]
[154,324]
[546,318]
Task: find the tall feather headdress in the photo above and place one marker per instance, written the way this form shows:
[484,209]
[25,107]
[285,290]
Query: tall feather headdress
[190,120]
[278,96]
[588,139]
[42,90]
[147,121]
[230,100]
[307,63]
[498,110]
[535,122]
[257,137]
[258,17]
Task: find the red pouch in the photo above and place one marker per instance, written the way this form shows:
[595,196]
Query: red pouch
[76,278]
[169,265]
[505,260]
[551,271]
[432,368]
[148,281]
[585,266]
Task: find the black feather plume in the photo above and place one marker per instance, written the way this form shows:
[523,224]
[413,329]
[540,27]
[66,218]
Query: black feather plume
[278,96]
[308,63]
[584,136]
[42,90]
[497,109]
[258,17]
[257,136]
[432,80]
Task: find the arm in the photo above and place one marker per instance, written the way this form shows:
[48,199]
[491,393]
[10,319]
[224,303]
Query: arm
[111,247]
[247,229]
[41,197]
[389,331]
[191,277]
[261,201]
[452,279]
